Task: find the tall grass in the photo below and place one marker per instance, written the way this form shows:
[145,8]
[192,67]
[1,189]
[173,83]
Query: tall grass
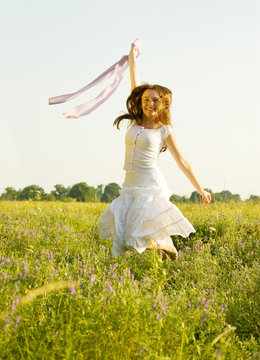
[64,296]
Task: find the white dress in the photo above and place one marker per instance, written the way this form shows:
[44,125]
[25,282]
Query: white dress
[143,213]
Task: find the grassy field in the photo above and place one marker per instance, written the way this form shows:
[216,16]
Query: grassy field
[64,296]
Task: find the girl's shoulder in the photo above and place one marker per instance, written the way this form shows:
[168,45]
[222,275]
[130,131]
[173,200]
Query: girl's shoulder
[165,131]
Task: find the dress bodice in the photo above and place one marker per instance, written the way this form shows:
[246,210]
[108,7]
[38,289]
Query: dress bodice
[143,146]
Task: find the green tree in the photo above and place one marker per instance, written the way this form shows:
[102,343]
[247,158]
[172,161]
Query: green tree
[110,193]
[223,196]
[178,199]
[49,197]
[60,192]
[236,197]
[83,192]
[9,194]
[33,192]
[254,198]
[99,190]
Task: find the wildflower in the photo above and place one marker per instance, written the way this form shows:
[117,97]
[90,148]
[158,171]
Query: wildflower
[132,277]
[8,261]
[140,351]
[189,304]
[109,287]
[218,353]
[164,305]
[89,271]
[247,277]
[202,319]
[223,307]
[158,316]
[51,255]
[114,267]
[18,319]
[55,272]
[92,279]
[25,271]
[12,308]
[72,289]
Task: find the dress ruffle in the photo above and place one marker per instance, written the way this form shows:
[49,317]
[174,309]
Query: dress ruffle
[140,215]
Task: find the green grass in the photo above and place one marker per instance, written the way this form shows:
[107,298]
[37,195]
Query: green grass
[64,296]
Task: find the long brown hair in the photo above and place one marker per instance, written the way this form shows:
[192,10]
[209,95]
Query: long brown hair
[134,105]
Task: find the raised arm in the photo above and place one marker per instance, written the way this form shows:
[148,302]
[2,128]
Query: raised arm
[134,74]
[185,167]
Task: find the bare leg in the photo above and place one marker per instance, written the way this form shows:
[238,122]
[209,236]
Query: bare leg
[165,251]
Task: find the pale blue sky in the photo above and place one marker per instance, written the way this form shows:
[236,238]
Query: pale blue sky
[206,51]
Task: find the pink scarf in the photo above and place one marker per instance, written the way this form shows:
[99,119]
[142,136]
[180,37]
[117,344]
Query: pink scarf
[118,70]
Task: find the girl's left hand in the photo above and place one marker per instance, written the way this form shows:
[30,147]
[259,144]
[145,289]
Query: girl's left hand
[206,197]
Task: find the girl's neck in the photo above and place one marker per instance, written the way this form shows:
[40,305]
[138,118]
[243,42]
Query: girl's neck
[151,123]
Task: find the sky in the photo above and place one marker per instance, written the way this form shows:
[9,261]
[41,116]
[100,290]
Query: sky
[206,51]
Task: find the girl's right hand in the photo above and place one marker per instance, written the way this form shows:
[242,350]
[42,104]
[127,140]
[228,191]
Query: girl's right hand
[134,52]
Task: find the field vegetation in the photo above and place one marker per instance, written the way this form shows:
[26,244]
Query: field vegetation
[64,296]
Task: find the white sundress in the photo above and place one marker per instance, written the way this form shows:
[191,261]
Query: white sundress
[143,213]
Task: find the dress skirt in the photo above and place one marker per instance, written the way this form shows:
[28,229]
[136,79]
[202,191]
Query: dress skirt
[143,214]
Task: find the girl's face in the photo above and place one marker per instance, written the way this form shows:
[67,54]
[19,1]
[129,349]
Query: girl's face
[150,103]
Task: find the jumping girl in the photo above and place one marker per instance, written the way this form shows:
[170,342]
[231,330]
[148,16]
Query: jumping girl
[142,217]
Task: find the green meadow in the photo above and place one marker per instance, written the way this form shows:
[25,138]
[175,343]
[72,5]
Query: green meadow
[64,296]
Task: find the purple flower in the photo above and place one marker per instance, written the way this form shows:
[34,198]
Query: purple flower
[89,271]
[132,277]
[72,289]
[114,267]
[18,319]
[202,319]
[8,261]
[51,255]
[109,287]
[164,305]
[12,308]
[218,353]
[55,272]
[189,304]
[223,307]
[92,279]
[25,270]
[140,351]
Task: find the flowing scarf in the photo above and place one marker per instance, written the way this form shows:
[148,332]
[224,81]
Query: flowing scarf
[118,70]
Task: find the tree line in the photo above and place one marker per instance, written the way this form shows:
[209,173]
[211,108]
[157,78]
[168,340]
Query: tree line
[84,193]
